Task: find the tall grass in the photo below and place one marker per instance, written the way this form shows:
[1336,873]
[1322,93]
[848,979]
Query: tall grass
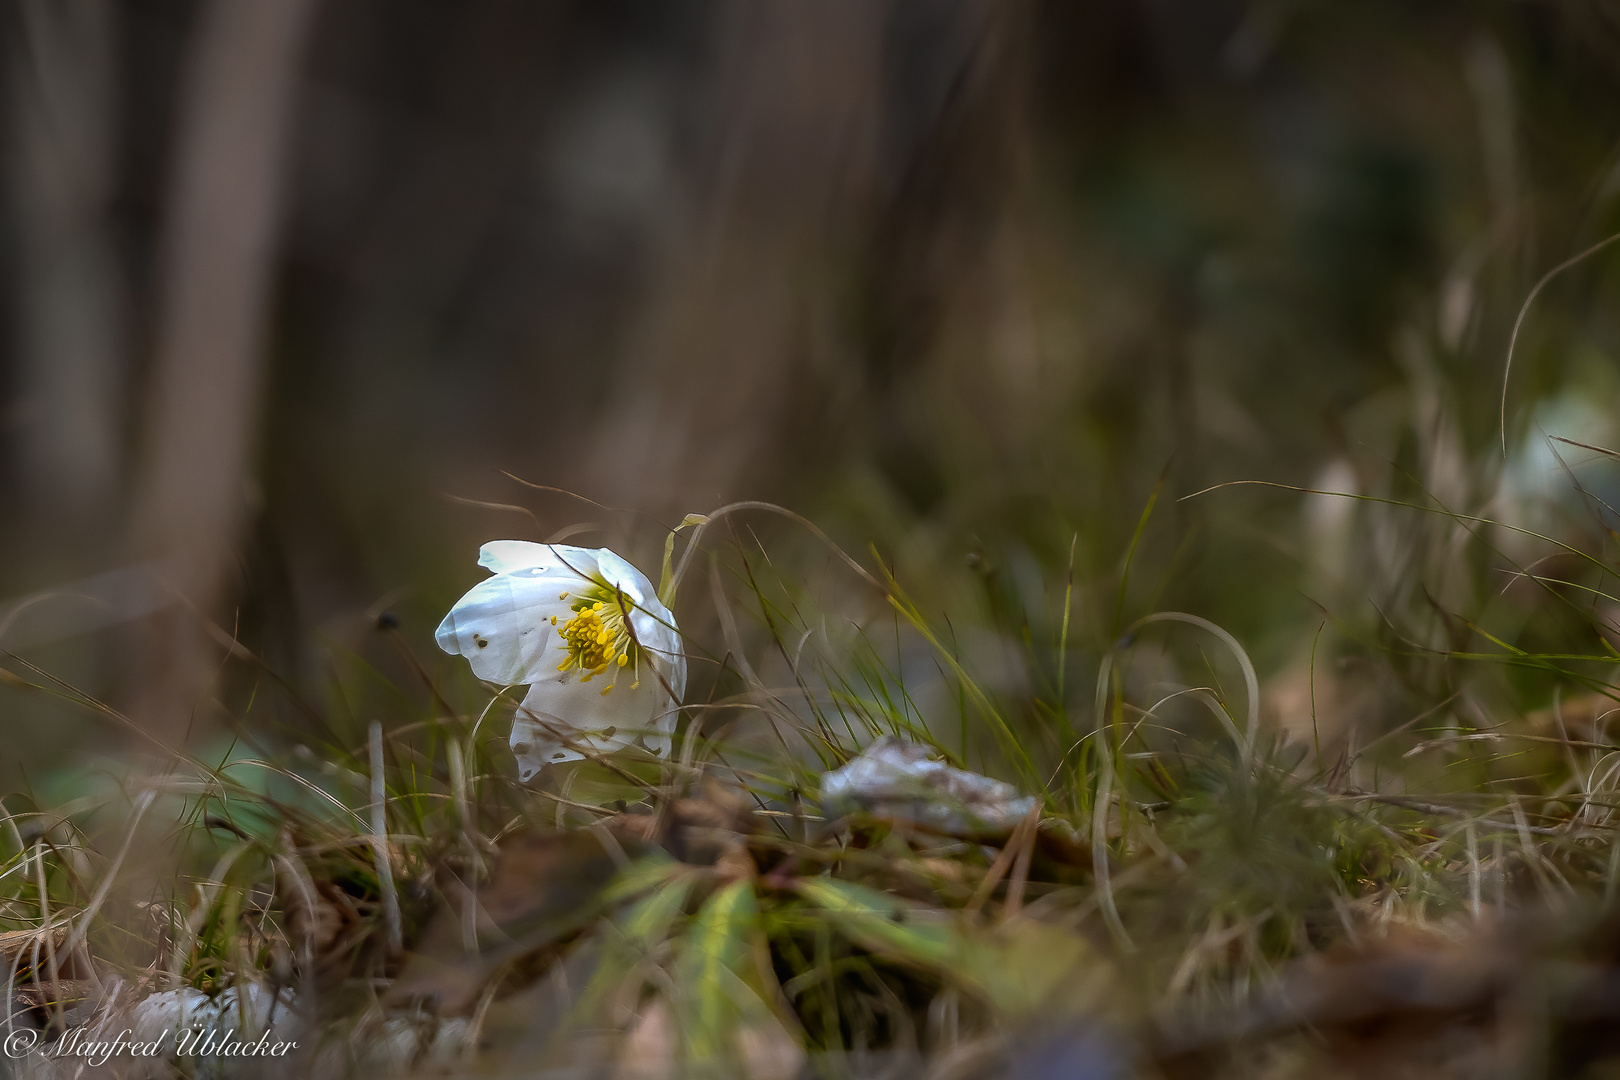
[1199,844]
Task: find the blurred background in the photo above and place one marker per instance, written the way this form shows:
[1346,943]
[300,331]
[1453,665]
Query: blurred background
[301,298]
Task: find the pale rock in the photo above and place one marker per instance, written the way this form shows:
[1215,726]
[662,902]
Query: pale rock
[895,778]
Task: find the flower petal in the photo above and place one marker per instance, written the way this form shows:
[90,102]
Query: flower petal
[659,640]
[653,623]
[625,577]
[503,624]
[512,556]
[563,719]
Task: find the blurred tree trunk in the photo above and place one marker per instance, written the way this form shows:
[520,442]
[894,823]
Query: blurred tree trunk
[70,323]
[194,484]
[864,150]
[745,306]
[949,304]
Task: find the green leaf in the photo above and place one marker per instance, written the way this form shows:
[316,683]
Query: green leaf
[1018,967]
[713,970]
[645,873]
[879,922]
[648,923]
[667,578]
[630,937]
[1024,965]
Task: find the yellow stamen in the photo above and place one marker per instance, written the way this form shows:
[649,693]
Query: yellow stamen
[598,636]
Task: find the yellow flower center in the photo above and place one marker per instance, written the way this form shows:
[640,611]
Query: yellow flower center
[598,638]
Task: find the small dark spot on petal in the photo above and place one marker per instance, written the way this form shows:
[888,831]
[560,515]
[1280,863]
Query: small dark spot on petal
[483,643]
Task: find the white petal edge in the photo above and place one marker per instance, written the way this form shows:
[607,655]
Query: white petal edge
[515,556]
[654,624]
[564,720]
[511,615]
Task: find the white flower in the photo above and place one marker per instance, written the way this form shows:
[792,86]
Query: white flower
[584,630]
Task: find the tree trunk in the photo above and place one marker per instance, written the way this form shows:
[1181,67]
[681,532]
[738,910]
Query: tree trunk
[195,476]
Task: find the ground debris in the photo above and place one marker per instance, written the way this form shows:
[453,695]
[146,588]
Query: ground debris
[1490,1003]
[543,888]
[18,946]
